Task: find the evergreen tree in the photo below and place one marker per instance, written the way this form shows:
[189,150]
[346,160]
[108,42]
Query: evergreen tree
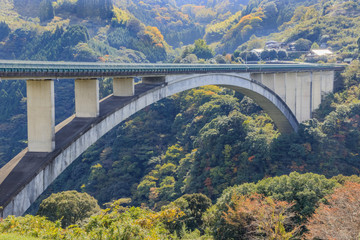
[202,50]
[46,10]
[94,8]
[4,30]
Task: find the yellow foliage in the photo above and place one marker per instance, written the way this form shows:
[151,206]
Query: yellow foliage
[155,34]
[120,16]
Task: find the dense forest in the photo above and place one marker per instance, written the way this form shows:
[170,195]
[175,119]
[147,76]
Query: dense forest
[207,163]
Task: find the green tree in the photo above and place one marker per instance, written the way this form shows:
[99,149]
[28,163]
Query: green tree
[202,50]
[193,206]
[265,55]
[94,8]
[302,45]
[69,206]
[46,10]
[352,74]
[315,46]
[83,53]
[282,55]
[4,30]
[74,35]
[273,54]
[249,56]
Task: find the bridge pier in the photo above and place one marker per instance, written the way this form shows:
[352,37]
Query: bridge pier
[302,91]
[123,87]
[87,98]
[41,115]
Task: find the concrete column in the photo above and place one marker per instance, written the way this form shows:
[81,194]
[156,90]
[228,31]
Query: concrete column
[257,77]
[87,97]
[280,85]
[41,115]
[290,88]
[327,81]
[268,80]
[123,87]
[316,90]
[303,93]
[298,97]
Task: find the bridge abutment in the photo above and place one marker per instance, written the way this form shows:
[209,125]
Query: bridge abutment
[41,115]
[87,98]
[123,87]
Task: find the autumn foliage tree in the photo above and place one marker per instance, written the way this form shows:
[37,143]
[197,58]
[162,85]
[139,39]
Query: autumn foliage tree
[257,216]
[339,218]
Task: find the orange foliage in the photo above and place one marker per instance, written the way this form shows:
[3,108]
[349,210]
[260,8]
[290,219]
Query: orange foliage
[208,184]
[155,34]
[251,158]
[260,216]
[297,168]
[340,218]
[154,193]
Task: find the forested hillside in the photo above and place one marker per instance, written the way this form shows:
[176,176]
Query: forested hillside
[202,164]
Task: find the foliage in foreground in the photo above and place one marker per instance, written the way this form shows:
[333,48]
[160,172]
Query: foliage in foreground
[69,207]
[339,218]
[256,216]
[303,190]
[269,209]
[111,223]
[13,236]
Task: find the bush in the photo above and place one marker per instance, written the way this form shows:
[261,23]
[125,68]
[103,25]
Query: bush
[69,206]
[303,45]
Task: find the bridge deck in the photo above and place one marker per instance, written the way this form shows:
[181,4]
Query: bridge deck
[27,164]
[28,69]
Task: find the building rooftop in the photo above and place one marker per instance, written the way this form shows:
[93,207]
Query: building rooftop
[321,52]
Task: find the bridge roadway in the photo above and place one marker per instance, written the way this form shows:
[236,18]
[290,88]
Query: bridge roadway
[27,165]
[58,70]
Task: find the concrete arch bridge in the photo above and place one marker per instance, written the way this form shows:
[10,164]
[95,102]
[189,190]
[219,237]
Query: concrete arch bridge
[287,92]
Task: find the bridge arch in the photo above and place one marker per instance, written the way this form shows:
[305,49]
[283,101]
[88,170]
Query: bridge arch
[54,163]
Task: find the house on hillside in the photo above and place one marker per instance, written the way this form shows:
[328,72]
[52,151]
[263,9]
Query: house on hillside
[318,54]
[273,45]
[348,60]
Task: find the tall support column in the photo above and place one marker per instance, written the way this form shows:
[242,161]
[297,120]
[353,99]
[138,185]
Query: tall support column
[304,92]
[87,97]
[123,87]
[268,79]
[327,85]
[40,115]
[316,90]
[280,85]
[257,77]
[290,89]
